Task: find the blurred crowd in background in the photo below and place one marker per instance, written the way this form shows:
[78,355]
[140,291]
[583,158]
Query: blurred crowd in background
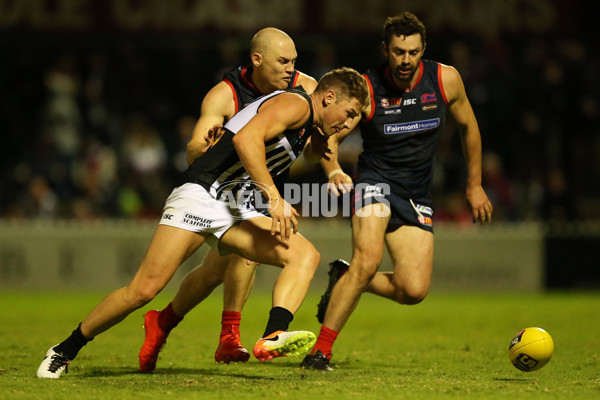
[96,126]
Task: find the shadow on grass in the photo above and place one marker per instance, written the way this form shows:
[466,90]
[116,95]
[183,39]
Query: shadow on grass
[252,371]
[107,372]
[520,380]
[211,372]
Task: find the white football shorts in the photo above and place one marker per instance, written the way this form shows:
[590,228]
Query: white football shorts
[192,208]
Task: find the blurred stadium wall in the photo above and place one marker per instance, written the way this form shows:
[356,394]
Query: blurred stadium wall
[502,257]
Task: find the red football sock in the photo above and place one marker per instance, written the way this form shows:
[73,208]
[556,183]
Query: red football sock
[325,341]
[230,322]
[167,319]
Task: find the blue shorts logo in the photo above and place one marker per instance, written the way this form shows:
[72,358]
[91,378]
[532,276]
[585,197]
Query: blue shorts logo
[411,127]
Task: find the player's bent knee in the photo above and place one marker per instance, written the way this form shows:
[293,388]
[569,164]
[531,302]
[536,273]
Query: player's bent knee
[360,276]
[362,269]
[306,257]
[412,296]
[306,251]
[413,300]
[366,263]
[312,259]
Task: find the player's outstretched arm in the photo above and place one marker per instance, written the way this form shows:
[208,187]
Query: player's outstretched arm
[217,107]
[461,111]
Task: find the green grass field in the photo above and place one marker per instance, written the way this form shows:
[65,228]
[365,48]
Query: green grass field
[450,346]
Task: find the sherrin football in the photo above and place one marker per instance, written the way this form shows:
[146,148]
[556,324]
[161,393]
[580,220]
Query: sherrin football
[531,349]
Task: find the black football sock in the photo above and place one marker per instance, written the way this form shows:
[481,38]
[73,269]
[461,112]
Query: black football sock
[71,345]
[279,320]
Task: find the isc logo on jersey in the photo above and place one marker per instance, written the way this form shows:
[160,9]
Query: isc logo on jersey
[424,209]
[411,127]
